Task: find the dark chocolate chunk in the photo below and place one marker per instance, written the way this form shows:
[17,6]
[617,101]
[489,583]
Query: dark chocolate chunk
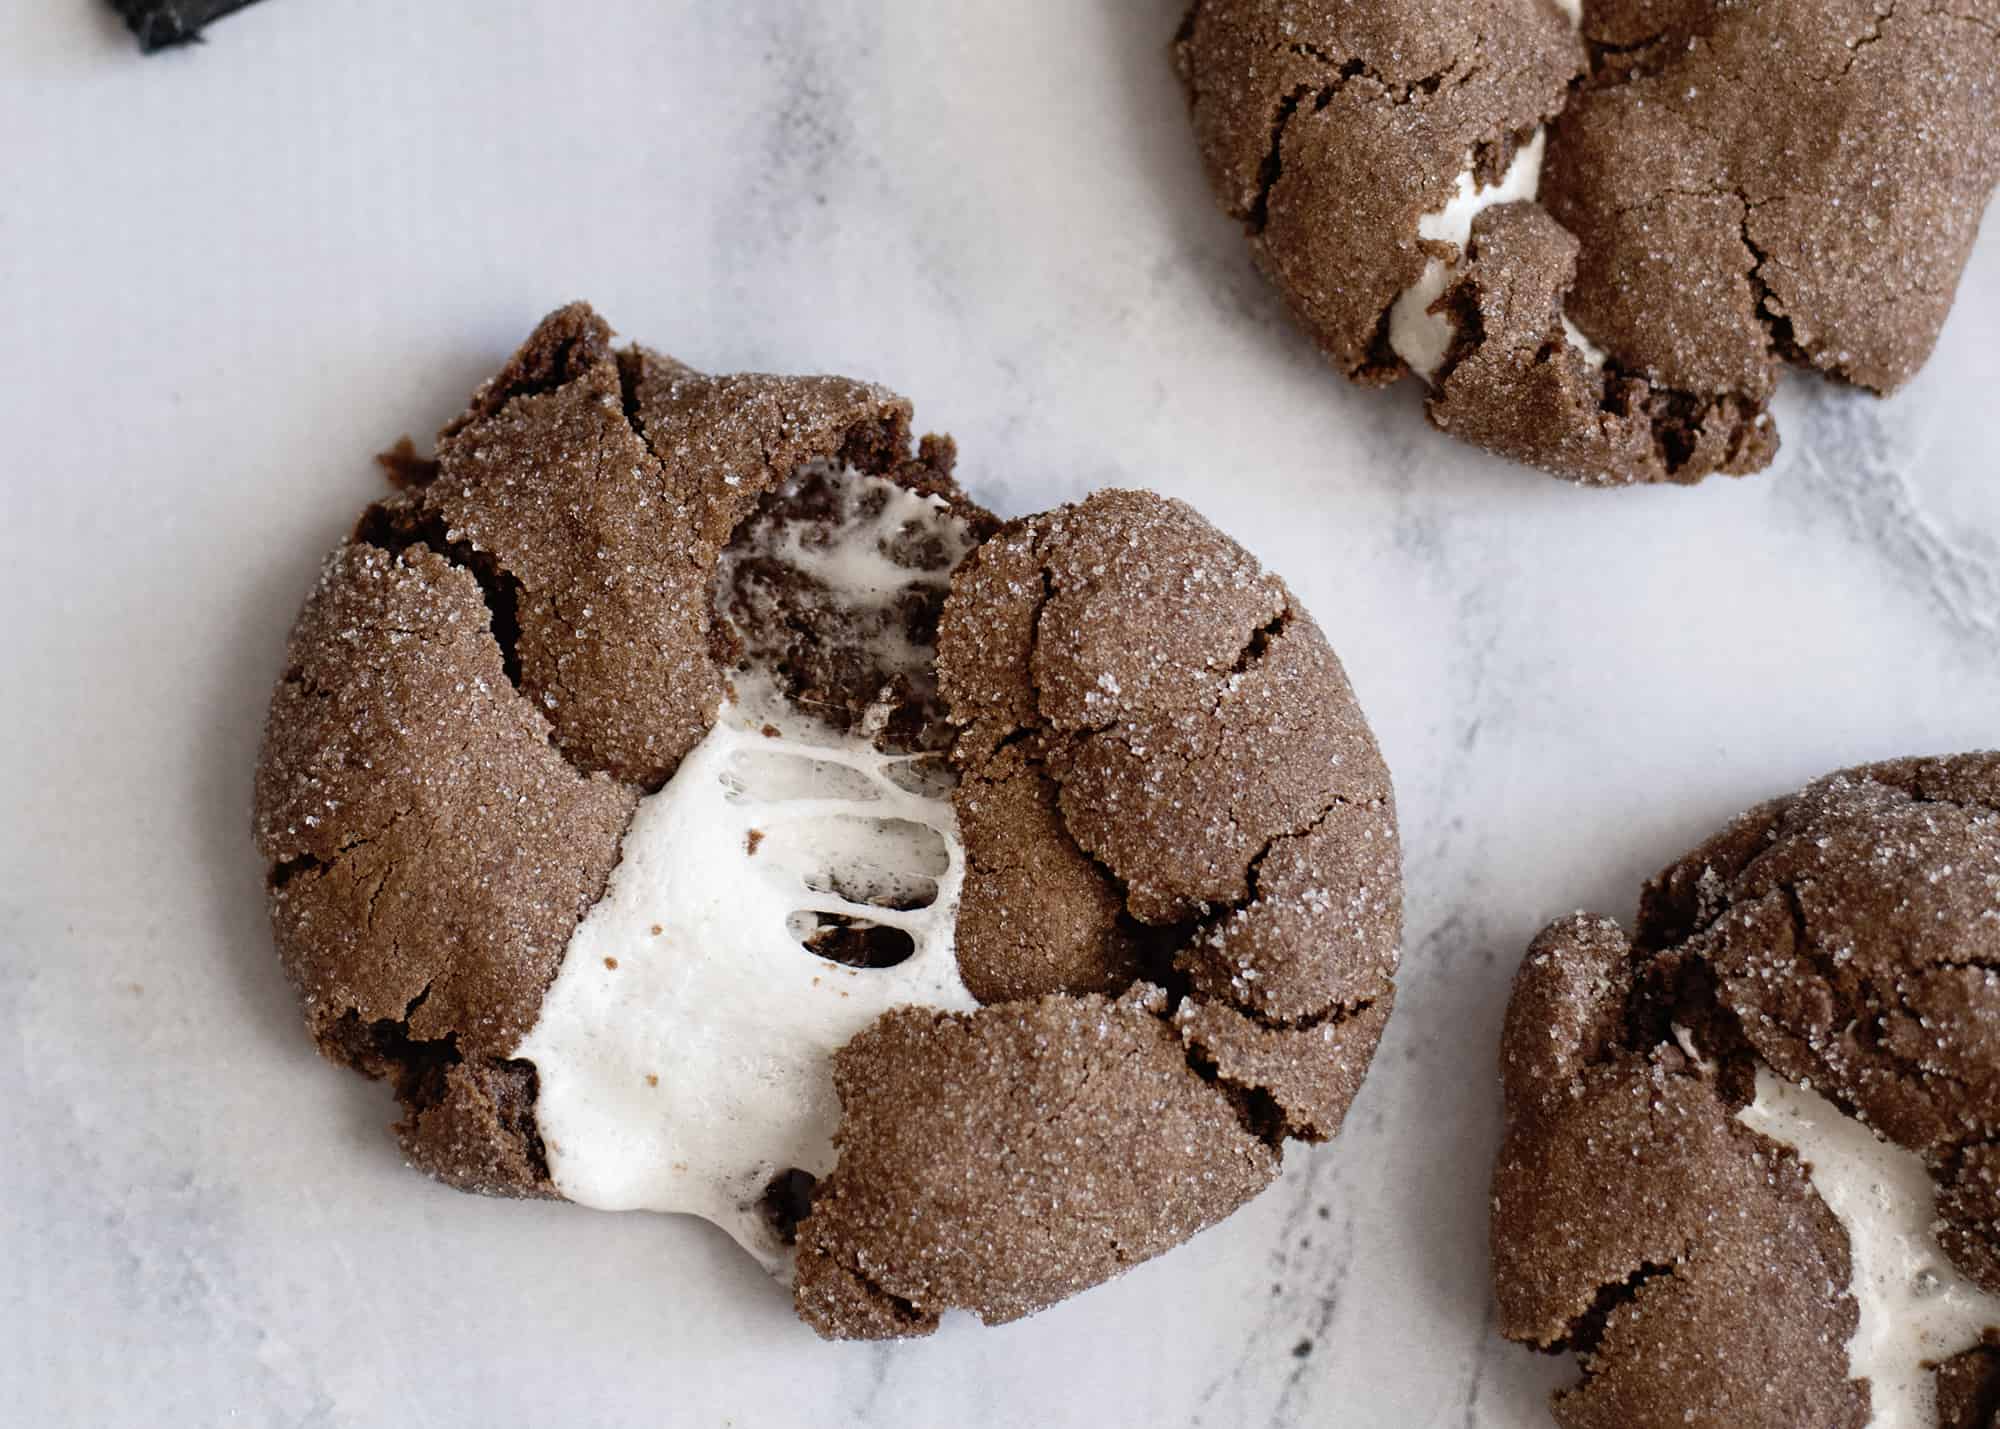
[162,24]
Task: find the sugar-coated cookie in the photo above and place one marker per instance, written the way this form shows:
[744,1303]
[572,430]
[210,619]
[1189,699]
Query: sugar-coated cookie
[1724,188]
[1751,1171]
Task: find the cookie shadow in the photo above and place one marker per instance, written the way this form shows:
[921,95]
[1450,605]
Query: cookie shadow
[1451,1012]
[249,659]
[1211,259]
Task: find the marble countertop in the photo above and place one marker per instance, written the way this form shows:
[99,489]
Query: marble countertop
[229,275]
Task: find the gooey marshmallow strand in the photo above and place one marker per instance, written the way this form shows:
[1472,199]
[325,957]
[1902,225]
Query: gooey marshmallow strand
[1916,1308]
[684,1051]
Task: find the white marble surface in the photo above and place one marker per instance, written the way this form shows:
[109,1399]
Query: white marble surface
[228,276]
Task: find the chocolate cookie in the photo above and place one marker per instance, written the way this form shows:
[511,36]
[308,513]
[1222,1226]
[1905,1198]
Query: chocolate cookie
[1751,1171]
[690,800]
[1734,187]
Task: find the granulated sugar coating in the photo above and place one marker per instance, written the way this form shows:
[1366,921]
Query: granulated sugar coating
[1845,939]
[1104,735]
[429,853]
[1004,1161]
[1737,186]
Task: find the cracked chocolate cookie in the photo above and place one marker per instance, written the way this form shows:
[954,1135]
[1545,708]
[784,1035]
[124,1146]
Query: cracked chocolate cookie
[1751,1171]
[690,800]
[1724,189]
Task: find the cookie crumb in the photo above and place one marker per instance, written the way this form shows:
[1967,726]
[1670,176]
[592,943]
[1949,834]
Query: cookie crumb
[404,468]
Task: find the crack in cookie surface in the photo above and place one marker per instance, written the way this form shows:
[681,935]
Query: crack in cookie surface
[607,485]
[375,815]
[1331,174]
[1852,177]
[1516,383]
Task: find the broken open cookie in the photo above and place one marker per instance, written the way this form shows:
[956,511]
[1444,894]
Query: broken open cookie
[1751,1171]
[1732,187]
[690,800]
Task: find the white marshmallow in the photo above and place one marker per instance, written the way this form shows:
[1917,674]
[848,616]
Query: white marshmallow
[1421,337]
[1593,355]
[684,1051]
[1916,1308]
[855,561]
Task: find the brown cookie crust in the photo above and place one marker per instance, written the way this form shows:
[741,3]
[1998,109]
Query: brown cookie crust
[1166,774]
[420,915]
[1514,384]
[603,487]
[1036,914]
[1817,934]
[1197,728]
[991,1161]
[1605,1237]
[1798,180]
[1329,129]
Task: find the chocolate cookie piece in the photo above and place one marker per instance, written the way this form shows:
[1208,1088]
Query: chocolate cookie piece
[601,489]
[1330,129]
[991,1162]
[1969,1389]
[420,916]
[1514,383]
[160,24]
[510,651]
[1796,180]
[674,774]
[1746,185]
[1724,1132]
[1149,722]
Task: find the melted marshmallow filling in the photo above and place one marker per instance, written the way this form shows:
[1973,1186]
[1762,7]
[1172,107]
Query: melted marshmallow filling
[1916,1309]
[796,878]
